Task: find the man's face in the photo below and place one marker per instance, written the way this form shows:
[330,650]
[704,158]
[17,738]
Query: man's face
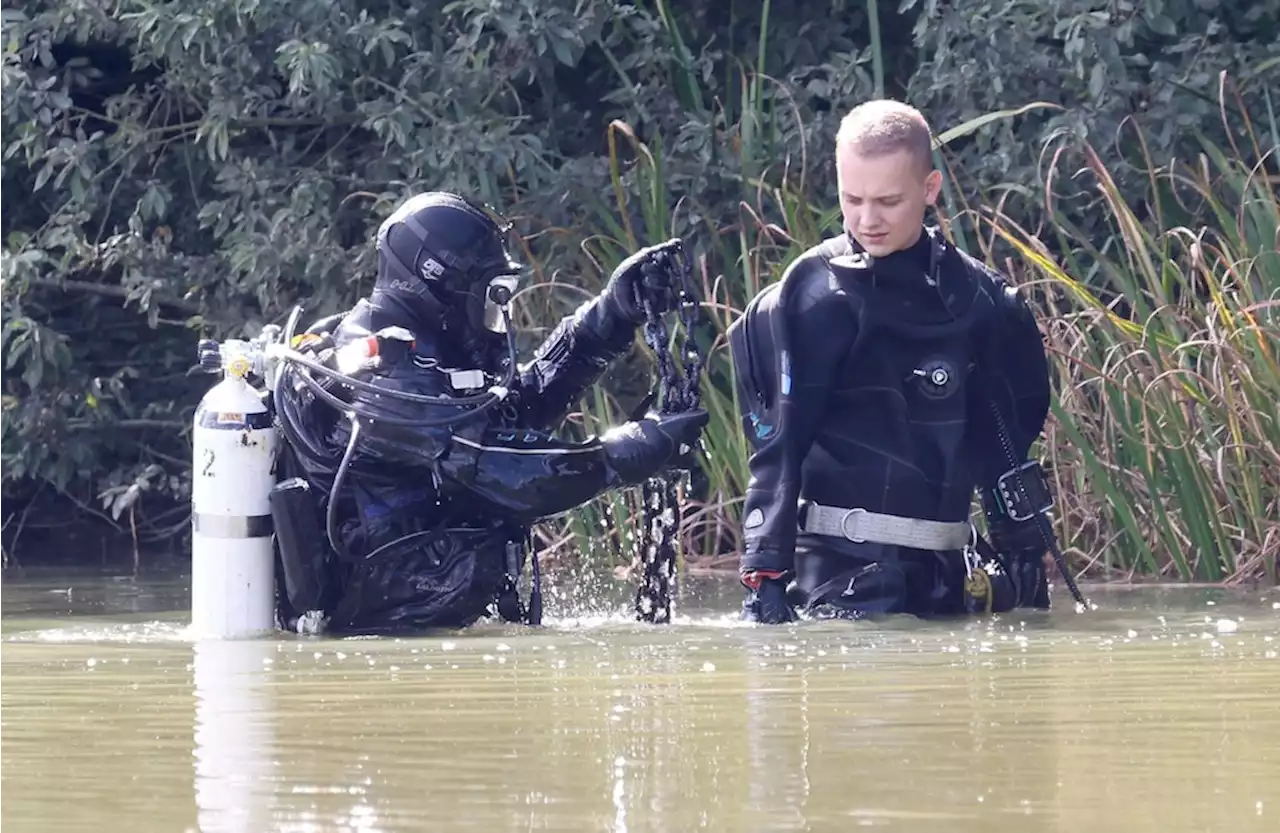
[883,198]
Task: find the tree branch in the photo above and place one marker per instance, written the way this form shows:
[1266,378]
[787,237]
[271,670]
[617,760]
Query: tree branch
[110,291]
[143,423]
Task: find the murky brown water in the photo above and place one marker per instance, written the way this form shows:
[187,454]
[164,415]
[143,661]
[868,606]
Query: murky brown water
[1156,713]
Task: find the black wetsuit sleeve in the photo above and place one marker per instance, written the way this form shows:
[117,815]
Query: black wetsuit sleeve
[819,327]
[573,357]
[478,470]
[1026,369]
[525,475]
[1017,377]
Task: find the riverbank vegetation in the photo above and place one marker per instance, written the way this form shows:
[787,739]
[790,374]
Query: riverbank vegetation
[194,168]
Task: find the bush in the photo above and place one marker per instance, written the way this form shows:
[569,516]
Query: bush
[195,168]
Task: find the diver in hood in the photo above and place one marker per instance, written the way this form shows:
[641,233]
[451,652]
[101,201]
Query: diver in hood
[885,377]
[424,472]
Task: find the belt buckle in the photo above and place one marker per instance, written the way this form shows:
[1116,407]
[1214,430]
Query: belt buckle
[844,525]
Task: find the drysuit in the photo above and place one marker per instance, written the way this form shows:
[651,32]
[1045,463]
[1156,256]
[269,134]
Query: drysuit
[866,387]
[430,524]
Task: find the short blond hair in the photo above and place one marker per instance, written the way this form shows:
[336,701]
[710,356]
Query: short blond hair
[883,126]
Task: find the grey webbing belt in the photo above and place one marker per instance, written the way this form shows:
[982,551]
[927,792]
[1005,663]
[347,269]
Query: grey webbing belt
[859,525]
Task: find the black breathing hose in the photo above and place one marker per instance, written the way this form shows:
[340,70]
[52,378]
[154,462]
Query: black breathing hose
[331,512]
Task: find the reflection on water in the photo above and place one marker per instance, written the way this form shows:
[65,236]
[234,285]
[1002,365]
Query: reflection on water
[1155,713]
[235,758]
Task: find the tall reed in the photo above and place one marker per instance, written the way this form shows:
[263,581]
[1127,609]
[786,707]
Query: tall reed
[1165,338]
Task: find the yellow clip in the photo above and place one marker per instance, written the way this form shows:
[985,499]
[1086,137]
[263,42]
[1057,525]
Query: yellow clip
[238,367]
[978,586]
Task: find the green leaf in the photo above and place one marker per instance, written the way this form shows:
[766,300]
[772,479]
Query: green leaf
[973,125]
[1162,25]
[1097,78]
[563,52]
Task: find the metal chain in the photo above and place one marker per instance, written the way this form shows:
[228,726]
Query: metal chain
[677,393]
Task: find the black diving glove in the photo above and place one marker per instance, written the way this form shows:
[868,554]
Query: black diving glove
[646,274]
[767,601]
[641,448]
[1023,546]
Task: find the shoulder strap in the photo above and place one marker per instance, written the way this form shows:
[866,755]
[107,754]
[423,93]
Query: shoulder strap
[753,346]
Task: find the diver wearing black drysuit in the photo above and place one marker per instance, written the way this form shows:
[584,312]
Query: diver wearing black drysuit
[432,516]
[867,386]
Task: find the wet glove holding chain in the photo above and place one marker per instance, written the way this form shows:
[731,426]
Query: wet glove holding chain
[642,283]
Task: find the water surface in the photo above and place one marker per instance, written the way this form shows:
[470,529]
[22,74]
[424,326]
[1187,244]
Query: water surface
[1157,712]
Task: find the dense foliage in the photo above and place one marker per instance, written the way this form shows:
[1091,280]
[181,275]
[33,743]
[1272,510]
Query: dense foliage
[193,168]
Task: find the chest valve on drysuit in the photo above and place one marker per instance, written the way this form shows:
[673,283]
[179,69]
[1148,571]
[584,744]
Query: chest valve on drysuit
[936,378]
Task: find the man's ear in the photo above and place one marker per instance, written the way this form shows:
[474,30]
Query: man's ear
[932,186]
